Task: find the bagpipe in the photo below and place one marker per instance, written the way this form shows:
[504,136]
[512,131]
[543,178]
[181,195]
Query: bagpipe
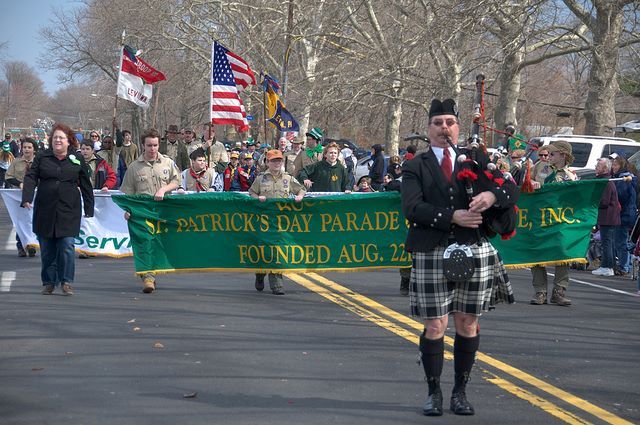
[479,171]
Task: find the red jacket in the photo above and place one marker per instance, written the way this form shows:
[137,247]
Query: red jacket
[104,175]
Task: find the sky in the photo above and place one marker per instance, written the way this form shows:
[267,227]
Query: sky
[21,21]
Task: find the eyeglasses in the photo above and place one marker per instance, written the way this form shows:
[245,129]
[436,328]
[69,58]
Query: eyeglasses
[450,122]
[543,155]
[94,135]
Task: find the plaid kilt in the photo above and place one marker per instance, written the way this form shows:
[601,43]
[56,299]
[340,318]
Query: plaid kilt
[432,296]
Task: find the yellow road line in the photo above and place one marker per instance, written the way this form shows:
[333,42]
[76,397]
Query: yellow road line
[517,373]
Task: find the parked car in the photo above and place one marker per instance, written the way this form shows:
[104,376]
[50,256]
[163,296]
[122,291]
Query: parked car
[587,149]
[363,165]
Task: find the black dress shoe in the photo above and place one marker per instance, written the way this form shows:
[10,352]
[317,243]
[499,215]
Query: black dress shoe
[433,405]
[460,405]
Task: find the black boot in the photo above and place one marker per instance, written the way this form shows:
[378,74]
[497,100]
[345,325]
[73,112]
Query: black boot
[260,281]
[404,286]
[459,403]
[433,405]
[464,355]
[432,356]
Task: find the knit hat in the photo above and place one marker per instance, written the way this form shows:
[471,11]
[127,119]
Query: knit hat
[562,146]
[446,107]
[316,133]
[6,146]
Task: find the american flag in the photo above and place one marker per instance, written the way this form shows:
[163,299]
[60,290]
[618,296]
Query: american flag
[230,74]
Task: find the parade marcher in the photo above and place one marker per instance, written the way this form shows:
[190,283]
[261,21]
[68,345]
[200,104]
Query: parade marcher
[231,176]
[291,155]
[127,150]
[173,148]
[440,214]
[275,183]
[608,218]
[247,171]
[328,175]
[199,177]
[217,155]
[542,168]
[312,152]
[15,147]
[6,158]
[251,148]
[57,173]
[111,154]
[379,166]
[151,174]
[627,197]
[190,141]
[511,140]
[560,157]
[101,174]
[15,178]
[94,137]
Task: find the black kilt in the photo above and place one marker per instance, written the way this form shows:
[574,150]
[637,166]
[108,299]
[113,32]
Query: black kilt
[432,296]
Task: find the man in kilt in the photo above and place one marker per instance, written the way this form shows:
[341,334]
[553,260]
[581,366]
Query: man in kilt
[440,213]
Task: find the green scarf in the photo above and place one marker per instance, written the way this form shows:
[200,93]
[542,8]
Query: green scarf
[317,149]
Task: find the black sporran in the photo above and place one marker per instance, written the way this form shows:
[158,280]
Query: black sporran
[458,264]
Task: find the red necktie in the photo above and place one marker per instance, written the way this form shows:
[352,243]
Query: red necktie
[445,165]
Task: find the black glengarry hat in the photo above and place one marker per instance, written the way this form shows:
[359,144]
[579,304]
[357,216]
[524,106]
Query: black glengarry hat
[446,107]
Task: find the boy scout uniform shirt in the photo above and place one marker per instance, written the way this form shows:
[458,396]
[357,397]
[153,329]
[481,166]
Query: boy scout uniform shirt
[17,169]
[143,177]
[206,180]
[270,186]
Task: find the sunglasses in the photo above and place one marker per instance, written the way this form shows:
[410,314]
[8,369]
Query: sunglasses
[450,122]
[543,155]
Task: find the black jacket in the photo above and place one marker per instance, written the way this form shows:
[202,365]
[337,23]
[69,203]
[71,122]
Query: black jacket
[428,203]
[57,208]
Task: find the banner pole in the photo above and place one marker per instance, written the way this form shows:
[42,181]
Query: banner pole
[115,104]
[264,108]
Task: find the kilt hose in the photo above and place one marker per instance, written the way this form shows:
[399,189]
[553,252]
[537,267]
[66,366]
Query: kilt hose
[432,296]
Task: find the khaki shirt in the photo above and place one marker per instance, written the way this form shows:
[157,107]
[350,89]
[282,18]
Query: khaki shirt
[17,169]
[266,184]
[302,160]
[192,146]
[565,174]
[289,161]
[206,180]
[218,154]
[147,178]
[128,154]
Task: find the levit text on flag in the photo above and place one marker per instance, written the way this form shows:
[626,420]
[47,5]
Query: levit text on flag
[136,77]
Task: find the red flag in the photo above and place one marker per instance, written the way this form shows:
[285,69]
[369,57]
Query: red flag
[230,74]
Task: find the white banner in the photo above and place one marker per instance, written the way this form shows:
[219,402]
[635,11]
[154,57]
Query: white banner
[106,233]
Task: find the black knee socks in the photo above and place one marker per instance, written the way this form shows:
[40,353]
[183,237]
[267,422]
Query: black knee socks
[464,355]
[432,351]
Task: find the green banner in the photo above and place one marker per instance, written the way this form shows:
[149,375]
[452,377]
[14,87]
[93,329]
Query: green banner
[231,231]
[554,224]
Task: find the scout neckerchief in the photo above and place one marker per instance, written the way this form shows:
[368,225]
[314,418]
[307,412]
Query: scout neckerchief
[197,177]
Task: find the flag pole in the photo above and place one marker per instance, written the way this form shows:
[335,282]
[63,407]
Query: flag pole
[155,107]
[264,108]
[115,104]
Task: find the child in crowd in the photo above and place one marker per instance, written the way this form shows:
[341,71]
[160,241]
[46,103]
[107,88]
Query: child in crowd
[365,185]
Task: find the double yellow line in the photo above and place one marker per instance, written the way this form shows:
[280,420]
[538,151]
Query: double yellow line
[397,323]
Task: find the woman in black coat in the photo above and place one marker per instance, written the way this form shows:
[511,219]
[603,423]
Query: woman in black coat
[57,173]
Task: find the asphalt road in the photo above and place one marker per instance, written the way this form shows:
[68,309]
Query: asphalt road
[338,348]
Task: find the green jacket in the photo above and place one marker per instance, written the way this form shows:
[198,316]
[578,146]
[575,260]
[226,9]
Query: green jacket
[325,177]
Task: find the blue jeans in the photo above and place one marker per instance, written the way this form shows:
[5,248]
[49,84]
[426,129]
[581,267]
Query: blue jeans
[58,260]
[606,237]
[621,247]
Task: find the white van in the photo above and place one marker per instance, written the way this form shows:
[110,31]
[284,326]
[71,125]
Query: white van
[587,149]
